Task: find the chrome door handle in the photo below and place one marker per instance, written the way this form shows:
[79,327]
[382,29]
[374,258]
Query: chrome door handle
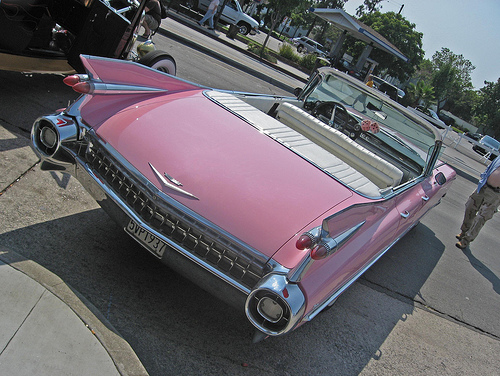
[406,214]
[425,198]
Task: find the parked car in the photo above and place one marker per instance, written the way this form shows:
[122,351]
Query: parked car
[431,116]
[49,36]
[232,14]
[448,120]
[474,136]
[490,145]
[387,88]
[273,204]
[307,45]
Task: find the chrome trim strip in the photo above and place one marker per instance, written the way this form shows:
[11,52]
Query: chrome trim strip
[103,88]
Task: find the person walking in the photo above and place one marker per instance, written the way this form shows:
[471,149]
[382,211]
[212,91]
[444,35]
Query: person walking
[481,205]
[212,8]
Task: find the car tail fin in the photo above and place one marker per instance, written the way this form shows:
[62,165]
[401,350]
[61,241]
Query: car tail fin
[128,77]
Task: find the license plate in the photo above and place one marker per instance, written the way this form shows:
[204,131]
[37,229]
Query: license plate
[152,243]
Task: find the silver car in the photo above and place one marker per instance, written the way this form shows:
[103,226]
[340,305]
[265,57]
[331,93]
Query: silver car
[307,45]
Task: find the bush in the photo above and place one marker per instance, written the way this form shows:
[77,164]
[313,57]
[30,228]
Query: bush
[257,49]
[308,61]
[288,52]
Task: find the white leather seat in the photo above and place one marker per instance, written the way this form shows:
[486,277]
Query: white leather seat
[378,170]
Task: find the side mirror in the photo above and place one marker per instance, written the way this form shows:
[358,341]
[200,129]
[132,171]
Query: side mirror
[297,91]
[440,178]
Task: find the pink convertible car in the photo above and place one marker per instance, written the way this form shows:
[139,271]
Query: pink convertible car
[273,204]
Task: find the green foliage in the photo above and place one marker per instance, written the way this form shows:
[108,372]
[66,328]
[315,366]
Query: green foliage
[452,82]
[421,92]
[288,52]
[308,61]
[402,34]
[368,6]
[487,108]
[463,67]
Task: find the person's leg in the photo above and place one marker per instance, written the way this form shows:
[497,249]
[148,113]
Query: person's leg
[485,213]
[489,202]
[471,208]
[211,20]
[205,17]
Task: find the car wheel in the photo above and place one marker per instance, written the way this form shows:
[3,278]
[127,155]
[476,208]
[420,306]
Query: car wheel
[300,48]
[244,28]
[161,61]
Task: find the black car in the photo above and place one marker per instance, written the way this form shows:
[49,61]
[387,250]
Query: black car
[48,36]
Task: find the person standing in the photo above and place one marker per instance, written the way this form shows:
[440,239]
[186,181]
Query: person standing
[370,81]
[152,19]
[212,8]
[481,205]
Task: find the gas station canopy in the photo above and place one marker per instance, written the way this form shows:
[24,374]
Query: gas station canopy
[358,30]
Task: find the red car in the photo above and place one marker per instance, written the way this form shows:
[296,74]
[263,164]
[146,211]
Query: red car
[273,204]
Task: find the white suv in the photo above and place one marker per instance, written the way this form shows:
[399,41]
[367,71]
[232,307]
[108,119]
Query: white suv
[308,46]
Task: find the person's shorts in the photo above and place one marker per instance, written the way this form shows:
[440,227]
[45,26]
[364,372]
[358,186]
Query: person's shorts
[152,23]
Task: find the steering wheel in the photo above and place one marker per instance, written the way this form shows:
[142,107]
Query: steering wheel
[332,113]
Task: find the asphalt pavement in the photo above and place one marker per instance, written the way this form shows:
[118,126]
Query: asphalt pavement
[48,328]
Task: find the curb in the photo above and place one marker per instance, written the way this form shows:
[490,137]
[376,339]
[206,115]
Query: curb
[121,353]
[227,60]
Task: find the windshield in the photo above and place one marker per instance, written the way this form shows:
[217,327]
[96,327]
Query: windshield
[402,138]
[491,142]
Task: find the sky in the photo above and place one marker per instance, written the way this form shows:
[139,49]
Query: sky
[467,27]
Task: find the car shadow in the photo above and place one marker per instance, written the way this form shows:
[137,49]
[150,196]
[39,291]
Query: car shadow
[159,312]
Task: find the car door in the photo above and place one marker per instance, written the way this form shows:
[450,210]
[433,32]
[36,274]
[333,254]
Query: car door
[416,201]
[230,13]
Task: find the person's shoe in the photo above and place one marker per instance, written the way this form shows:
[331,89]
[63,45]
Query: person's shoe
[199,23]
[461,244]
[211,28]
[460,236]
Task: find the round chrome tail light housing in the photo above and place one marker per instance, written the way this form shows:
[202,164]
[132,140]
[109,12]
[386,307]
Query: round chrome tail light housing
[49,132]
[275,306]
[45,137]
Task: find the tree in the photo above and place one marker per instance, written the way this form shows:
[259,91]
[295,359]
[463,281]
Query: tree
[451,78]
[402,34]
[368,6]
[279,9]
[421,92]
[487,108]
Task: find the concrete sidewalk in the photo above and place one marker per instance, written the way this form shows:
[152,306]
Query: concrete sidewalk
[48,330]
